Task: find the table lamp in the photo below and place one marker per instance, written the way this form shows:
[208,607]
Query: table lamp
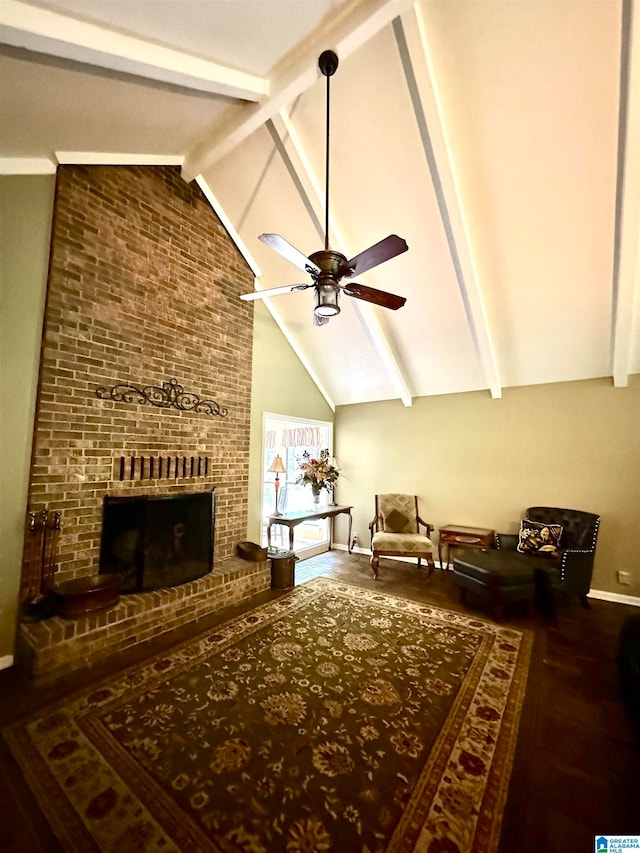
[277,468]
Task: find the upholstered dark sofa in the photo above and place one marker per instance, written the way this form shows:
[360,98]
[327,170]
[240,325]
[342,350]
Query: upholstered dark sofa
[503,574]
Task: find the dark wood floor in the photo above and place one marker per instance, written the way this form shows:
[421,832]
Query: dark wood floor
[576,772]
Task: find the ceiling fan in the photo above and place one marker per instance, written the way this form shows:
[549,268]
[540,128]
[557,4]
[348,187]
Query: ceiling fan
[327,267]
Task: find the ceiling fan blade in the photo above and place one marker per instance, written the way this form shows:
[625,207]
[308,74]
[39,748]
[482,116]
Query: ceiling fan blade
[374,255]
[378,297]
[275,291]
[289,252]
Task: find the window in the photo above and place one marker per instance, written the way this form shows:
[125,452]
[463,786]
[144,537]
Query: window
[289,437]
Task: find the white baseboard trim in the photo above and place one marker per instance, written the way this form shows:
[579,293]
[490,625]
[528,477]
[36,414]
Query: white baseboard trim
[603,595]
[338,546]
[6,661]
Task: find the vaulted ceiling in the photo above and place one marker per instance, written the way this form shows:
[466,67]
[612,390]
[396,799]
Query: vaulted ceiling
[500,138]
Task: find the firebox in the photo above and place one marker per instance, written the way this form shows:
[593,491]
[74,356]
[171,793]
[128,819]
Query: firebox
[156,541]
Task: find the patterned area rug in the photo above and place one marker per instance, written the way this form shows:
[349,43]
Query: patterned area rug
[332,718]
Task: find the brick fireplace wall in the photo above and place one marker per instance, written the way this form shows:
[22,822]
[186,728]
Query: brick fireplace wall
[143,288]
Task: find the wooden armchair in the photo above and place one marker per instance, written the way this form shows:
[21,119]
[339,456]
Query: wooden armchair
[395,531]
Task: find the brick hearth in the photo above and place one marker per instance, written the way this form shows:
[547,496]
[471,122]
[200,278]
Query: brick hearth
[56,646]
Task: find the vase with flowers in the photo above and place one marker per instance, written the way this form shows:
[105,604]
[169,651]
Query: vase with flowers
[317,472]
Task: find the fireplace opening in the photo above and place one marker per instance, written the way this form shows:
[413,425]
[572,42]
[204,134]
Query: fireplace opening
[157,541]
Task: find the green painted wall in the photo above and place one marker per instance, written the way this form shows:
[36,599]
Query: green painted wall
[281,386]
[26,206]
[481,462]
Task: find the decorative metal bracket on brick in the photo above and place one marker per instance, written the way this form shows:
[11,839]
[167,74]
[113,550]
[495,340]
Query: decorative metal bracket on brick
[171,395]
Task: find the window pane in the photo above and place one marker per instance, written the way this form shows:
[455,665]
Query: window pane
[289,438]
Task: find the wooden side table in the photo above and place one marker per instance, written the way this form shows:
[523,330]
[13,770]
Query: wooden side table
[292,519]
[467,537]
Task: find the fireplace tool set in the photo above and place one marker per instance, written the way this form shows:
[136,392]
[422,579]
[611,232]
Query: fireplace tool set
[36,588]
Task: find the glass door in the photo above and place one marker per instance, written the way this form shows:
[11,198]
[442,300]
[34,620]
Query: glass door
[289,438]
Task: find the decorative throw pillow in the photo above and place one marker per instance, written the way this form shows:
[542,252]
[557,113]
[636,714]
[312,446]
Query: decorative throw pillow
[538,538]
[397,522]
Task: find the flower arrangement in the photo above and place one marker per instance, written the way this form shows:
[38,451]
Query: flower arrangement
[318,473]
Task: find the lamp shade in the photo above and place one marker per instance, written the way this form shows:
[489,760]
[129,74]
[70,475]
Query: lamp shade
[277,466]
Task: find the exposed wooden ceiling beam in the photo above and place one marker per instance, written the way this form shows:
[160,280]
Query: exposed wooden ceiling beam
[42,31]
[626,284]
[353,25]
[423,89]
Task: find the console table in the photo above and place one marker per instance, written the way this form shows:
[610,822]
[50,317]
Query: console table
[468,537]
[292,519]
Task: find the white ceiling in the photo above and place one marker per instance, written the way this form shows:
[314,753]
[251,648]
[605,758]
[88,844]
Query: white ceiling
[500,138]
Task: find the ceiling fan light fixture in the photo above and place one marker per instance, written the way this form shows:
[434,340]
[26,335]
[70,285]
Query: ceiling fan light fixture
[327,302]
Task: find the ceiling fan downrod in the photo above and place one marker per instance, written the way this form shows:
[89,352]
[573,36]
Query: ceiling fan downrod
[327,63]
